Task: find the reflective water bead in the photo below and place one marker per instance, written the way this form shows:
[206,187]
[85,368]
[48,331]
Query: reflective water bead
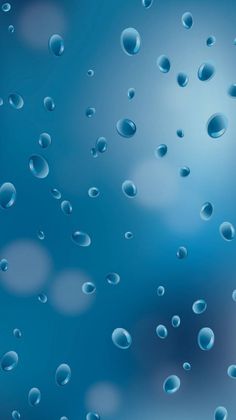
[206,211]
[184,171]
[7,195]
[49,103]
[63,374]
[16,101]
[221,413]
[126,128]
[42,298]
[147,3]
[182,79]
[6,7]
[113,278]
[34,397]
[217,125]
[129,235]
[131,93]
[15,415]
[81,238]
[66,207]
[9,361]
[38,166]
[206,338]
[211,40]
[231,371]
[163,63]
[171,384]
[175,321]
[92,416]
[234,295]
[17,333]
[232,90]
[130,41]
[182,252]
[187,20]
[227,231]
[180,133]
[41,235]
[199,306]
[187,366]
[90,73]
[206,71]
[56,193]
[88,288]
[129,188]
[160,290]
[90,111]
[93,192]
[121,338]
[45,140]
[56,44]
[161,150]
[11,29]
[3,264]
[161,331]
[101,144]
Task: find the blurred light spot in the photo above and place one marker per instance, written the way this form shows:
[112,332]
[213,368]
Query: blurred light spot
[103,398]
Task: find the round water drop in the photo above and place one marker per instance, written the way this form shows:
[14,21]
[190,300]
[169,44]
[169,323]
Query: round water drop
[16,101]
[175,321]
[7,195]
[227,231]
[90,112]
[131,93]
[49,103]
[56,44]
[88,288]
[63,374]
[180,133]
[160,291]
[45,140]
[81,238]
[184,171]
[41,235]
[231,371]
[9,361]
[42,298]
[129,188]
[17,333]
[129,235]
[6,7]
[93,152]
[206,71]
[90,73]
[113,278]
[66,207]
[217,125]
[234,295]
[92,416]
[206,338]
[163,63]
[15,415]
[221,413]
[34,397]
[199,306]
[211,40]
[101,144]
[232,91]
[38,166]
[11,29]
[93,192]
[121,338]
[161,150]
[187,20]
[161,331]
[186,366]
[171,384]
[182,79]
[130,41]
[206,211]
[56,193]
[126,128]
[147,3]
[4,264]
[182,252]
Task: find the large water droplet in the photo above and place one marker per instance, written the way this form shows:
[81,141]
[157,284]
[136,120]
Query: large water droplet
[9,361]
[130,41]
[49,103]
[63,374]
[7,195]
[15,415]
[121,338]
[206,338]
[113,278]
[81,238]
[92,416]
[34,397]
[6,7]
[93,192]
[16,101]
[227,231]
[56,44]
[131,93]
[187,20]
[163,63]
[66,207]
[101,144]
[147,3]
[126,128]
[4,264]
[182,79]
[38,166]
[161,331]
[211,40]
[199,306]
[221,413]
[129,188]
[187,366]
[161,150]
[175,321]
[182,252]
[206,211]
[160,291]
[88,288]
[90,112]
[45,140]
[17,333]
[171,384]
[231,371]
[232,91]
[217,125]
[206,71]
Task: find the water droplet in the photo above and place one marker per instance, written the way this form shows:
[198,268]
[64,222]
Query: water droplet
[90,112]
[88,288]
[44,140]
[92,416]
[131,93]
[199,306]
[211,40]
[9,361]
[16,101]
[121,338]
[206,71]
[232,91]
[234,295]
[175,321]
[101,144]
[11,29]
[161,331]
[217,125]
[6,7]
[231,371]
[129,235]
[1,101]
[130,41]
[66,207]
[63,374]
[126,128]
[180,133]
[163,63]
[93,152]
[41,235]
[49,103]
[38,166]
[227,231]
[90,73]
[7,195]
[15,415]
[93,192]
[81,238]
[147,3]
[206,338]
[42,298]
[160,291]
[17,333]
[221,413]
[184,171]
[187,366]
[64,418]
[34,397]
[171,384]
[56,45]
[187,20]
[56,193]
[161,150]
[129,188]
[182,252]
[113,278]
[182,79]
[206,211]
[4,264]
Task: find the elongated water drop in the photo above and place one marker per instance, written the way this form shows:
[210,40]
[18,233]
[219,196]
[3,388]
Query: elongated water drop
[113,278]
[217,125]
[7,195]
[171,384]
[180,133]
[34,397]
[129,189]
[56,193]
[161,331]
[206,71]
[15,415]
[16,101]
[211,40]
[63,374]
[93,192]
[206,211]
[9,361]
[101,144]
[163,63]
[182,79]
[81,238]
[160,291]
[131,93]
[88,288]
[121,338]
[38,166]
[221,413]
[232,91]
[17,333]
[187,20]
[147,3]
[182,252]
[66,207]
[126,128]
[175,321]
[92,416]
[206,339]
[231,371]
[45,140]
[3,264]
[199,306]
[186,366]
[161,150]
[49,103]
[130,41]
[227,231]
[42,298]
[56,44]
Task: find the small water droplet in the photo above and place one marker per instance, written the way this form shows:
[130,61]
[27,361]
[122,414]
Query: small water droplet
[161,150]
[1,101]
[129,189]
[171,384]
[113,278]
[147,3]
[187,366]
[217,125]
[232,91]
[41,235]
[42,298]
[231,371]
[7,195]
[15,415]
[234,295]
[92,416]
[34,397]
[182,79]
[206,71]
[16,101]
[130,41]
[161,331]
[101,144]
[64,418]
[93,152]
[45,140]
[199,306]
[206,211]
[180,133]
[221,413]
[187,20]
[182,252]
[129,235]
[227,231]
[90,73]
[184,171]
[163,63]
[38,166]
[126,128]
[206,339]
[93,192]
[160,291]
[4,264]
[9,361]
[49,103]
[131,93]
[175,321]
[11,29]
[81,238]
[90,112]
[66,207]
[211,40]
[88,288]
[56,193]
[121,338]
[17,333]
[56,44]
[6,7]
[63,374]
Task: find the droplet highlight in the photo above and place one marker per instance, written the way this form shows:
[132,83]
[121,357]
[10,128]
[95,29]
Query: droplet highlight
[171,384]
[126,128]
[206,339]
[34,397]
[113,278]
[206,211]
[199,306]
[16,101]
[130,41]
[129,189]
[182,79]
[227,231]
[45,140]
[161,331]
[81,238]
[9,361]
[38,166]
[56,45]
[163,63]
[121,338]
[63,374]
[206,71]
[217,125]
[187,20]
